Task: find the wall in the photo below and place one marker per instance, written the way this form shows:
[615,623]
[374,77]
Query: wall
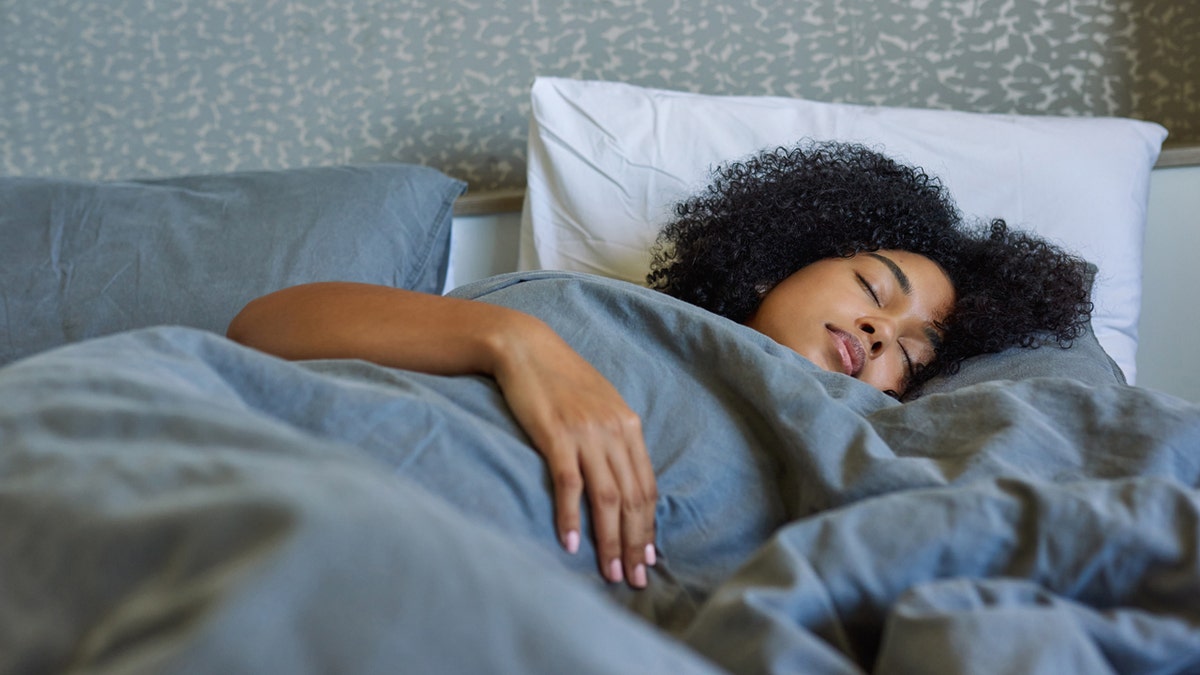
[125,88]
[1169,331]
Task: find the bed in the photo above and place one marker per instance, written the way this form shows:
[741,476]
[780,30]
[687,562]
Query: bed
[172,501]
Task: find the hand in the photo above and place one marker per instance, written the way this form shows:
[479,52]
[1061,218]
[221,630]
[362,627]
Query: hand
[592,442]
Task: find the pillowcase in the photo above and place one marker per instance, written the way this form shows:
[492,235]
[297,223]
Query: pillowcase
[608,161]
[81,259]
[1084,360]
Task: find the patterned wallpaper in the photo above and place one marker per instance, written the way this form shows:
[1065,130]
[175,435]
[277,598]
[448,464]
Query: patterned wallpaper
[128,88]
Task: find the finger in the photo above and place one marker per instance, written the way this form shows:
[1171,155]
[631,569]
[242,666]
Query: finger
[633,528]
[604,496]
[568,491]
[643,471]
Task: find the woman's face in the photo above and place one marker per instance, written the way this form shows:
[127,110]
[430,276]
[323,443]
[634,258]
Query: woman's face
[874,316]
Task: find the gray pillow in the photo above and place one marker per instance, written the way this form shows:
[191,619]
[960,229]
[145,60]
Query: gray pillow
[81,259]
[1085,360]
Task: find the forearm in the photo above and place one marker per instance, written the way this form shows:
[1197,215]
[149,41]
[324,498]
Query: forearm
[574,417]
[389,326]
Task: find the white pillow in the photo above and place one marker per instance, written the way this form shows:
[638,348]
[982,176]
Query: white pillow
[608,161]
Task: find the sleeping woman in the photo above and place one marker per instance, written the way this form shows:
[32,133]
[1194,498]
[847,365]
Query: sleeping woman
[858,263]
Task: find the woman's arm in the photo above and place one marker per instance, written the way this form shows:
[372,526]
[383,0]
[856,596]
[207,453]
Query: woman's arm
[575,418]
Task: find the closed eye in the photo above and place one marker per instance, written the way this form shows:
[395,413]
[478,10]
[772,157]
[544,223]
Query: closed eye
[907,361]
[869,289]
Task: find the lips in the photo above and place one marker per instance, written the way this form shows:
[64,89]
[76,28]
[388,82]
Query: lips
[850,351]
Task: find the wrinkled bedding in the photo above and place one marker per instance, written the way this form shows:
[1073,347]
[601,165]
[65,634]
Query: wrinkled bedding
[174,502]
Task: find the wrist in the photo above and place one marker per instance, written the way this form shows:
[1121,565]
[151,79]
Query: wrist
[513,341]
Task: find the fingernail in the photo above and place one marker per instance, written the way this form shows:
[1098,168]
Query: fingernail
[572,542]
[639,576]
[614,570]
[651,555]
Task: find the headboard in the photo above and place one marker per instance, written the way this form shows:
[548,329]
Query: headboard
[129,88]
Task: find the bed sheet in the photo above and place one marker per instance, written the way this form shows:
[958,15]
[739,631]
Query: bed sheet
[174,501]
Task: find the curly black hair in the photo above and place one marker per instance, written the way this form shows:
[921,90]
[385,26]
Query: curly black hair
[765,217]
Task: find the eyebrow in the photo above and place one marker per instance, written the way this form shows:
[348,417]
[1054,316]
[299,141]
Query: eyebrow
[901,277]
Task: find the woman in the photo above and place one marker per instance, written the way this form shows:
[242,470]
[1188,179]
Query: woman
[731,246]
[858,263]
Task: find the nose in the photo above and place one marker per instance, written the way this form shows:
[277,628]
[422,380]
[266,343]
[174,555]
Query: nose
[879,333]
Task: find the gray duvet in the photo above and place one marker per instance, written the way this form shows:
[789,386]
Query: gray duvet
[173,502]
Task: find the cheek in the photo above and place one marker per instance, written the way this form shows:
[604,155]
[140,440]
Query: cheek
[884,373]
[778,320]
